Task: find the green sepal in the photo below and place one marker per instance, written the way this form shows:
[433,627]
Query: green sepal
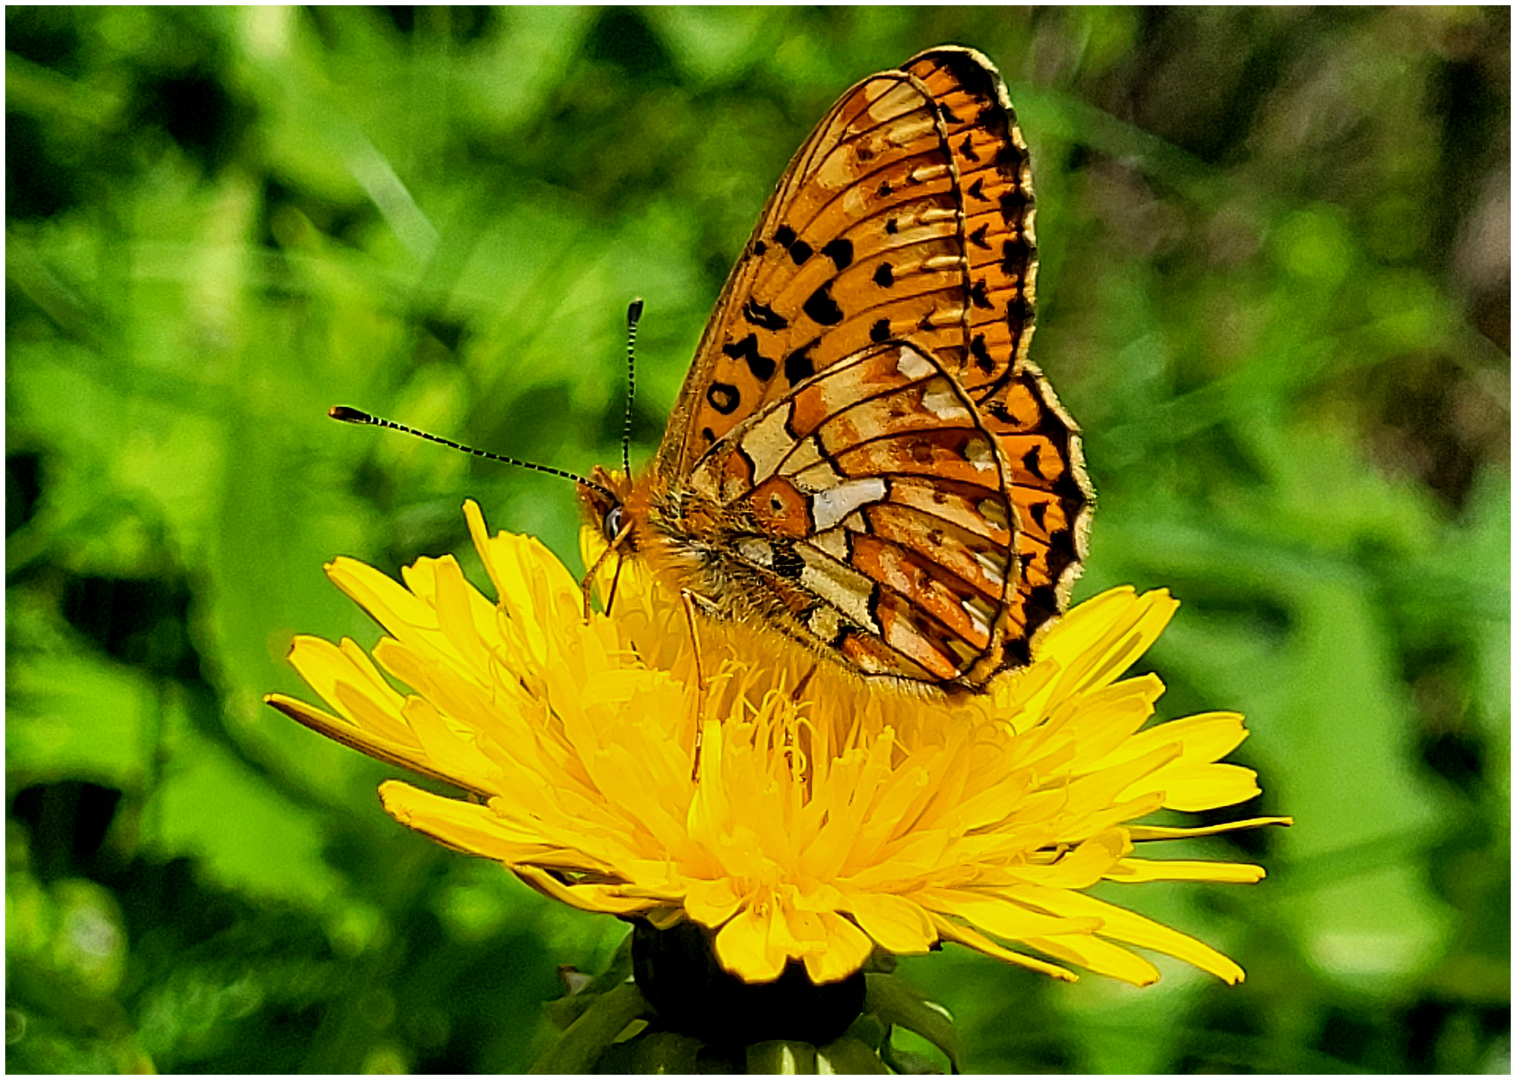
[606,1016]
[780,1057]
[869,1030]
[848,1055]
[907,1062]
[665,1053]
[565,1010]
[893,1002]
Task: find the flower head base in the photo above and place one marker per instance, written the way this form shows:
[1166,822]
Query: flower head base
[826,817]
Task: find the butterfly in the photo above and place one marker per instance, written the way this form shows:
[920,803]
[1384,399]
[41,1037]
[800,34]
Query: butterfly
[862,457]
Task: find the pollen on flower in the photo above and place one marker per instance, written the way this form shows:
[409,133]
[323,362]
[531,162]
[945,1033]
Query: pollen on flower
[826,818]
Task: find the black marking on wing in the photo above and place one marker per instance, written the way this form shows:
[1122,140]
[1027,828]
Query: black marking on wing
[763,316]
[761,366]
[724,398]
[821,307]
[798,365]
[787,562]
[840,251]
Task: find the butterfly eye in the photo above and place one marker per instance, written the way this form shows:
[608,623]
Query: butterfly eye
[612,524]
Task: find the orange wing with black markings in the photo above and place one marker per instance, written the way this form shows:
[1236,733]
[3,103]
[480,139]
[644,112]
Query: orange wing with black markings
[902,232]
[874,503]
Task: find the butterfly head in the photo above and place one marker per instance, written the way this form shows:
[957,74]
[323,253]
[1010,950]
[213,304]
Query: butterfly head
[604,501]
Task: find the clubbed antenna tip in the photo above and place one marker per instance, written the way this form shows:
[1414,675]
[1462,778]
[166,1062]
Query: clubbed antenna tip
[633,314]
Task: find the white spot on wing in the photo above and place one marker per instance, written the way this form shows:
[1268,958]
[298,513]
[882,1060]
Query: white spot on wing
[841,586]
[913,365]
[992,565]
[837,171]
[939,400]
[898,100]
[833,542]
[979,614]
[908,131]
[825,623]
[805,454]
[856,199]
[767,442]
[979,454]
[817,477]
[832,505]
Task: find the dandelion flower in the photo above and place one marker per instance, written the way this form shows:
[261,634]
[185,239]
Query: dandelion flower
[827,817]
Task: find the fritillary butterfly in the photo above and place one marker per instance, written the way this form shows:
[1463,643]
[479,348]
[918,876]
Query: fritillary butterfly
[862,457]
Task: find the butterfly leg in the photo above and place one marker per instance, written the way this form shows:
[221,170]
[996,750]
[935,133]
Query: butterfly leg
[789,733]
[805,680]
[687,598]
[587,581]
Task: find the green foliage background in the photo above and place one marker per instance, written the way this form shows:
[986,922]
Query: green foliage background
[1275,291]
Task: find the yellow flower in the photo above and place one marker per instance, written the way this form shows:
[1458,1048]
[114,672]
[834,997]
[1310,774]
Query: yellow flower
[820,815]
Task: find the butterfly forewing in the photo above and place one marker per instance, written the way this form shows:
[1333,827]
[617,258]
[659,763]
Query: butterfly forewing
[997,243]
[861,229]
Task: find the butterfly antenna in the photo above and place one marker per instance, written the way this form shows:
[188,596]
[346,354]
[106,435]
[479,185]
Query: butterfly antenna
[633,314]
[358,416]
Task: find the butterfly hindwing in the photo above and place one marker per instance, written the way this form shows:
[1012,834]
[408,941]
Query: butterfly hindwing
[873,502]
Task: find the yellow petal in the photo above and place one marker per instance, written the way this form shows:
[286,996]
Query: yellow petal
[1002,915]
[1205,787]
[584,897]
[391,605]
[374,746]
[465,826]
[1134,929]
[1161,832]
[1136,870]
[347,678]
[896,923]
[1101,638]
[964,935]
[743,947]
[846,949]
[1100,956]
[712,903]
[1083,866]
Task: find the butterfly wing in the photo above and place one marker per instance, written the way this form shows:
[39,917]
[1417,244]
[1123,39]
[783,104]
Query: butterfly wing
[906,216]
[870,518]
